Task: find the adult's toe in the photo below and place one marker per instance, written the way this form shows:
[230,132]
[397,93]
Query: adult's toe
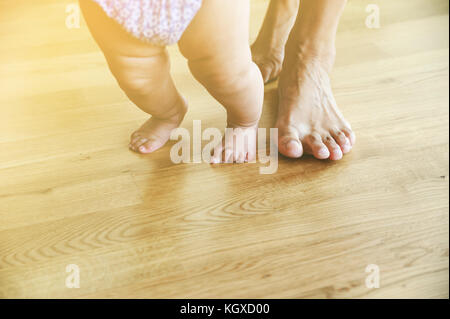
[317,147]
[333,148]
[289,144]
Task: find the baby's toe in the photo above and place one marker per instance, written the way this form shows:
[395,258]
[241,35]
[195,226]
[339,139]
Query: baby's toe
[150,146]
[135,136]
[240,156]
[136,143]
[228,155]
[251,155]
[216,157]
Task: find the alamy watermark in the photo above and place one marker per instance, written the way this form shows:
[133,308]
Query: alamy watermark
[373,19]
[74,16]
[73,279]
[373,279]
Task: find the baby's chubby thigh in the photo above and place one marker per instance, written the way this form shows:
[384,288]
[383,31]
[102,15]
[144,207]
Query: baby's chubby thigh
[216,42]
[218,25]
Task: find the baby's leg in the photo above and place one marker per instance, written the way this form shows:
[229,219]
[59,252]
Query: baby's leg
[142,71]
[217,48]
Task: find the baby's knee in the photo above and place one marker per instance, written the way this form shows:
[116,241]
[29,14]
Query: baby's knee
[134,86]
[139,76]
[223,73]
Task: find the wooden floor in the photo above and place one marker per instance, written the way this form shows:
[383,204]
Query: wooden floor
[141,226]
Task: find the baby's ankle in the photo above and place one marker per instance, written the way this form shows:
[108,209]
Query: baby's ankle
[175,113]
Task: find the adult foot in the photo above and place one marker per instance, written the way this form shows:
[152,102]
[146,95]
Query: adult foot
[268,48]
[269,60]
[309,120]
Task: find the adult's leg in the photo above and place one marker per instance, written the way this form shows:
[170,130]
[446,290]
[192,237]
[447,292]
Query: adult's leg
[268,48]
[308,117]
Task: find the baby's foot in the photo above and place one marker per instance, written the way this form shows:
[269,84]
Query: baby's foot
[243,103]
[268,48]
[240,139]
[238,145]
[154,133]
[309,119]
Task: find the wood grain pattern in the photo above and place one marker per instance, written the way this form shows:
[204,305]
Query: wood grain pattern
[143,227]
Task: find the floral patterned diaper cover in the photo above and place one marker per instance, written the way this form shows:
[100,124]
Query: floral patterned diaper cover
[160,22]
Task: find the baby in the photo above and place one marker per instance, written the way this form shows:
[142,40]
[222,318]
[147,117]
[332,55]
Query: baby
[212,35]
